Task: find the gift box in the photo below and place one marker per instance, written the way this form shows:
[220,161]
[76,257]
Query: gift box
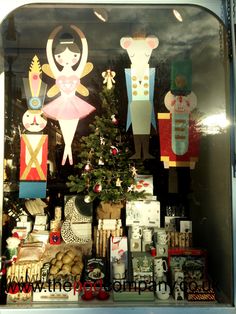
[143,213]
[144,183]
[54,237]
[193,262]
[118,252]
[142,265]
[56,295]
[201,294]
[94,269]
[40,220]
[39,235]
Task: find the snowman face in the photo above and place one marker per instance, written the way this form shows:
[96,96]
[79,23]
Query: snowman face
[34,120]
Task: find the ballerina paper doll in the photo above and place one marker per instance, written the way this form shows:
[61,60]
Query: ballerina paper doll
[70,66]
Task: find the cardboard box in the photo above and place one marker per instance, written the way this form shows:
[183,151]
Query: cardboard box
[143,213]
[55,296]
[201,294]
[40,220]
[144,183]
[118,252]
[193,263]
[54,237]
[142,265]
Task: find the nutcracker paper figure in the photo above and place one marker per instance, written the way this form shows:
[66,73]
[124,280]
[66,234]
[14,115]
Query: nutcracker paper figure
[179,138]
[140,89]
[33,144]
[70,66]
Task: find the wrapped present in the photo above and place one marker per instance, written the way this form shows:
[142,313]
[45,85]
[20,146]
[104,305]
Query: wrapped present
[54,237]
[201,294]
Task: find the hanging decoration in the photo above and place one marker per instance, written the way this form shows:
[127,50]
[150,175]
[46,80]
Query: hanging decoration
[109,78]
[140,89]
[114,150]
[97,188]
[68,108]
[114,119]
[118,182]
[179,138]
[33,143]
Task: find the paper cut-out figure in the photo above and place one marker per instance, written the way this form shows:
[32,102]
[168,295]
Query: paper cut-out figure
[109,78]
[70,66]
[140,88]
[33,144]
[178,133]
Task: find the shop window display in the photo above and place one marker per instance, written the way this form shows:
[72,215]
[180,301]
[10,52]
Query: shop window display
[112,165]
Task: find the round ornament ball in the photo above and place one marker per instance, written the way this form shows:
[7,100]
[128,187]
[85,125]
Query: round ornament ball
[87,199]
[97,188]
[114,151]
[114,120]
[87,167]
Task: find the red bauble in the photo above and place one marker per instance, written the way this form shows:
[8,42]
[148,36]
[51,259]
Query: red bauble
[114,150]
[97,188]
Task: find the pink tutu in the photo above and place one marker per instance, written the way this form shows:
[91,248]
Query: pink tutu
[68,108]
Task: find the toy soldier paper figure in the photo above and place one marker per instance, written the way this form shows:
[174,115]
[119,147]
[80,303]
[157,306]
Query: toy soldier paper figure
[67,64]
[140,88]
[34,144]
[179,138]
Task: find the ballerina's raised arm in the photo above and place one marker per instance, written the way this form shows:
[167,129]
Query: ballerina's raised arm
[51,61]
[84,55]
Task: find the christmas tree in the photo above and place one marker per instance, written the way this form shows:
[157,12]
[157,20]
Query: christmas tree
[105,171]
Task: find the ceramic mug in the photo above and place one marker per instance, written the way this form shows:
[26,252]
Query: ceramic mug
[136,232]
[160,267]
[163,291]
[118,270]
[162,237]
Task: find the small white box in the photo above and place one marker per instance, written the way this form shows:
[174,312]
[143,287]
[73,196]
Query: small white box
[39,227]
[56,296]
[186,226]
[41,236]
[40,220]
[23,218]
[82,230]
[144,183]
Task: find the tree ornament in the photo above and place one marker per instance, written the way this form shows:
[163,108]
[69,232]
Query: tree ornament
[109,78]
[114,151]
[87,167]
[114,120]
[97,188]
[87,199]
[100,162]
[134,171]
[102,140]
[118,182]
[131,188]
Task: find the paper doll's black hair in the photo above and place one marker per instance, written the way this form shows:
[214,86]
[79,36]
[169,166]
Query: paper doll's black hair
[66,40]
